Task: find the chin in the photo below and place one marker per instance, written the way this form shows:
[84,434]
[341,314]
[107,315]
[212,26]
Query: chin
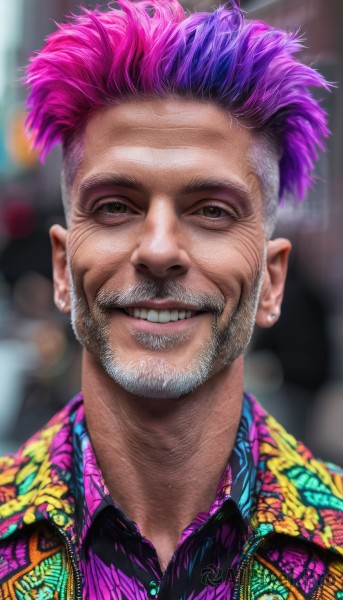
[154,377]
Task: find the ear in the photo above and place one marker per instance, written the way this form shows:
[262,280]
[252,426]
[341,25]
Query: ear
[269,307]
[58,238]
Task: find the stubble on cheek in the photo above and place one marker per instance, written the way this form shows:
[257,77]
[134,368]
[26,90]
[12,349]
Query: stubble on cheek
[88,327]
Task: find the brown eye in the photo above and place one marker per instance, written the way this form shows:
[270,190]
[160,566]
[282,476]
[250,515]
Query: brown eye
[114,208]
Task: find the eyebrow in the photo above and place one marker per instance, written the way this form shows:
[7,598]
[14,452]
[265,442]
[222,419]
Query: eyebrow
[240,190]
[107,180]
[213,184]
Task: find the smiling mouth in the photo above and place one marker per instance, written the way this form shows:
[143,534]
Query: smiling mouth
[160,316]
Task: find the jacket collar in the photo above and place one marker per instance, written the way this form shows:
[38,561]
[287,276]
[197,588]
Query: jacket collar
[296,494]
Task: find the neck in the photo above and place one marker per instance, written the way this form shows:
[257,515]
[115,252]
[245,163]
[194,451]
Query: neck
[162,459]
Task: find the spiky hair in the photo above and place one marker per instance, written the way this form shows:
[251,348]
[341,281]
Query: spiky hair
[152,48]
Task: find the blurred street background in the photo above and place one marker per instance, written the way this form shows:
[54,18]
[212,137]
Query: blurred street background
[295,368]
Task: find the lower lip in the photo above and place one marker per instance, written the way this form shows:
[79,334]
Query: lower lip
[160,328]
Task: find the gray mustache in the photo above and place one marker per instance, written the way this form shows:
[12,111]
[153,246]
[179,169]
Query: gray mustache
[160,290]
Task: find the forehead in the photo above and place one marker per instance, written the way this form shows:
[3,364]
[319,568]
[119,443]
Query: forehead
[168,142]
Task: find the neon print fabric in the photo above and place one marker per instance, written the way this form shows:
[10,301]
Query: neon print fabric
[273,532]
[114,554]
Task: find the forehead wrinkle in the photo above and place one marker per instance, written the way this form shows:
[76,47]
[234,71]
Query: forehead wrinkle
[132,117]
[223,138]
[161,137]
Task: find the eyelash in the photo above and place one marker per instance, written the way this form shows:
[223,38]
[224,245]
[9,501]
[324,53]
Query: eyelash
[227,213]
[118,203]
[219,208]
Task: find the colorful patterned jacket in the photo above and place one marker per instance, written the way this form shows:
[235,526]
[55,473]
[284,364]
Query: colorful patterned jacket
[295,550]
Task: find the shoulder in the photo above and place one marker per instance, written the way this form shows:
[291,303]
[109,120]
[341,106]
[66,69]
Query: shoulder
[297,494]
[293,568]
[36,479]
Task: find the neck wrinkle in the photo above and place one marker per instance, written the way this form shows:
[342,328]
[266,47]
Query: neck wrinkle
[162,460]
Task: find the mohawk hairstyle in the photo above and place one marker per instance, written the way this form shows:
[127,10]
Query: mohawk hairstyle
[152,48]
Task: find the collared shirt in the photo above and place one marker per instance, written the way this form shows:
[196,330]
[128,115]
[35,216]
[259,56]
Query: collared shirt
[295,549]
[117,562]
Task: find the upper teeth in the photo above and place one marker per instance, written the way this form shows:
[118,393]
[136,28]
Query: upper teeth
[159,316]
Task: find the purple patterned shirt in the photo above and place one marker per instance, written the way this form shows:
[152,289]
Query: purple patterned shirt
[117,561]
[62,537]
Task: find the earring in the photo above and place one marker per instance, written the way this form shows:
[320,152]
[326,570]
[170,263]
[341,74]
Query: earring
[272,316]
[62,304]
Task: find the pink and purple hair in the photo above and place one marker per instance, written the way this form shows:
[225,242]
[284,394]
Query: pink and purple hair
[152,48]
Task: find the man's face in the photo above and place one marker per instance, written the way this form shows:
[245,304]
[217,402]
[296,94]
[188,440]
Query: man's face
[166,246]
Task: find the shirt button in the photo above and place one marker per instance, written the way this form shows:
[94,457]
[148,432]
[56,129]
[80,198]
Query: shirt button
[153,589]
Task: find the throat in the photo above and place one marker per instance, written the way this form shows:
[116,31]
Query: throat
[165,547]
[162,460]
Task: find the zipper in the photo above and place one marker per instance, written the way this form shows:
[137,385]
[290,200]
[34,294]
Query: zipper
[75,580]
[245,570]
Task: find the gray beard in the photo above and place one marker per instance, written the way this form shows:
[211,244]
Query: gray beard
[152,378]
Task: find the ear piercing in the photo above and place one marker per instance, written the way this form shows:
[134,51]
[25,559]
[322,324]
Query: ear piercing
[272,316]
[62,304]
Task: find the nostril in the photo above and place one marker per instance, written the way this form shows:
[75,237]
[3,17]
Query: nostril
[160,263]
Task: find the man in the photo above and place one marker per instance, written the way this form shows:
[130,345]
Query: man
[162,479]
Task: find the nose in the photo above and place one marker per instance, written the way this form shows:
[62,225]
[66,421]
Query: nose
[159,251]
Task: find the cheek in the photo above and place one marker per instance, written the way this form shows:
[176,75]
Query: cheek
[232,263]
[96,256]
[233,269]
